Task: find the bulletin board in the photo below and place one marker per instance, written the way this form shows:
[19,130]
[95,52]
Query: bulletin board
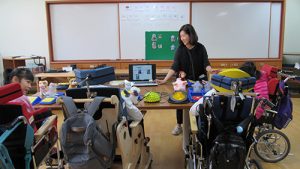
[161,45]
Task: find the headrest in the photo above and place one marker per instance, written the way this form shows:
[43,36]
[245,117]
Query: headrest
[222,82]
[234,73]
[10,92]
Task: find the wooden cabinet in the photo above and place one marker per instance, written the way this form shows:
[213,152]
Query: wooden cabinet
[12,62]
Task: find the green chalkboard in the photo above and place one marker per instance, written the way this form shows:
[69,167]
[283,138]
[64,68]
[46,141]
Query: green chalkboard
[161,45]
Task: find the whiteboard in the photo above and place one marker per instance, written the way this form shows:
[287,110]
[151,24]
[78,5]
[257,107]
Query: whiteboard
[82,31]
[137,18]
[233,30]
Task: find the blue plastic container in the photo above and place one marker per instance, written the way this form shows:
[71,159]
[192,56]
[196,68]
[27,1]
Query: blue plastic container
[193,95]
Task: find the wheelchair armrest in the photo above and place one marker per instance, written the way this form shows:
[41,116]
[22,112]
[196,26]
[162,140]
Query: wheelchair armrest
[134,124]
[45,127]
[193,122]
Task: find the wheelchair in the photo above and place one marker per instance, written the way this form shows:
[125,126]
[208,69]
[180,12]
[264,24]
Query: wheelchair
[224,120]
[272,144]
[43,138]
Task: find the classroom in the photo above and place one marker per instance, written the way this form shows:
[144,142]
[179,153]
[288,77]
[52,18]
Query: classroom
[77,41]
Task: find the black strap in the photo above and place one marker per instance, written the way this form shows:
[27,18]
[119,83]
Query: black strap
[191,61]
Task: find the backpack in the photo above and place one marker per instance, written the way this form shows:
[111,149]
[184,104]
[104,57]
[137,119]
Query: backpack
[284,112]
[228,152]
[84,144]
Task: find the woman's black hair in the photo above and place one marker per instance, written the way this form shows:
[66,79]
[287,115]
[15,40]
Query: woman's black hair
[21,73]
[188,29]
[250,68]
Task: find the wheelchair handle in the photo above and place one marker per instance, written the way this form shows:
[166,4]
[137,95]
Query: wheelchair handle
[288,77]
[251,94]
[271,111]
[267,102]
[207,102]
[16,120]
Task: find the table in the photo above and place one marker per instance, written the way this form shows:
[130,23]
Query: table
[66,76]
[164,104]
[118,72]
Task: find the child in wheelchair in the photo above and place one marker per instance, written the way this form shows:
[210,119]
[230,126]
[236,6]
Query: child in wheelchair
[25,77]
[14,103]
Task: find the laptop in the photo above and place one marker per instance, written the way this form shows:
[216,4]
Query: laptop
[142,74]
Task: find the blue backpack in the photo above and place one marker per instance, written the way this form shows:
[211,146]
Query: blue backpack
[285,109]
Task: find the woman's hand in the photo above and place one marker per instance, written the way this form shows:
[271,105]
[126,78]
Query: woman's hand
[215,71]
[160,81]
[212,71]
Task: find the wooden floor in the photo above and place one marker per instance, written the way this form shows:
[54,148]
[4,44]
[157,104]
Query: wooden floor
[167,149]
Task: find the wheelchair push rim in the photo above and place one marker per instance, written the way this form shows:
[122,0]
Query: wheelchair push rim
[272,146]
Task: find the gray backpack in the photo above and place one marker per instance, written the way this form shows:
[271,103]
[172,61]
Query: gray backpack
[83,143]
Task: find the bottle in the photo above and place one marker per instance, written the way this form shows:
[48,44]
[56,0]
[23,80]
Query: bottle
[197,87]
[207,87]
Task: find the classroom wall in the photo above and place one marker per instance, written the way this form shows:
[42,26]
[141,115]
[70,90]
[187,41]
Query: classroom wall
[23,29]
[1,70]
[292,27]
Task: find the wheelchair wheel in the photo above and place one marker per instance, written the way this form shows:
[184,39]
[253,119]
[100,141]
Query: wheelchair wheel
[253,164]
[272,146]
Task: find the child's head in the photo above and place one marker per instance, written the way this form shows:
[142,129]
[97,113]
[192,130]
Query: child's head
[250,68]
[23,76]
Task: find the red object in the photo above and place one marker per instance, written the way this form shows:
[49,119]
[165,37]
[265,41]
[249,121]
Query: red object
[270,70]
[196,97]
[13,91]
[10,92]
[272,84]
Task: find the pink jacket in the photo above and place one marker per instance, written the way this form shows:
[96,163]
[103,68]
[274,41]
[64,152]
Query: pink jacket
[261,87]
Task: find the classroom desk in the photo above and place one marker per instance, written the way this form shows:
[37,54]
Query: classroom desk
[166,89]
[66,76]
[118,72]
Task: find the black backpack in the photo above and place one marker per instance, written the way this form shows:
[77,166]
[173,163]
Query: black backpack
[228,152]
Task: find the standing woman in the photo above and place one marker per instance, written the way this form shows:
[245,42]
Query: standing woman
[190,61]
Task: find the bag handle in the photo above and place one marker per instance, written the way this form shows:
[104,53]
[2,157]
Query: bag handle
[94,105]
[70,106]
